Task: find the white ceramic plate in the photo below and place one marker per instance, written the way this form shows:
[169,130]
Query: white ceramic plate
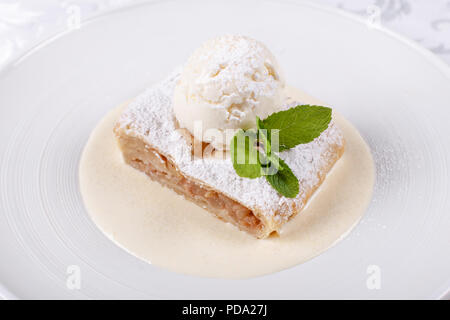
[398,95]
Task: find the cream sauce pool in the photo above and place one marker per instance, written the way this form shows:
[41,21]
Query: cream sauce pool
[162,228]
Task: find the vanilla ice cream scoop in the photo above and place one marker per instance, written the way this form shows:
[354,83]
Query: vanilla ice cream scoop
[225,84]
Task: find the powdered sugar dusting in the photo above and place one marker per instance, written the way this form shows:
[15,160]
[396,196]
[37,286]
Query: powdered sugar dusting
[150,117]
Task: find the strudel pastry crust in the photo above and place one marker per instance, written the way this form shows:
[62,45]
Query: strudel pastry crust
[150,140]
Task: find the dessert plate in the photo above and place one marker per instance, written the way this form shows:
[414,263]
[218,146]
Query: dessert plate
[394,92]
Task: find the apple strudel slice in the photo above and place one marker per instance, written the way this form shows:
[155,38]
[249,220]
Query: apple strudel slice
[151,141]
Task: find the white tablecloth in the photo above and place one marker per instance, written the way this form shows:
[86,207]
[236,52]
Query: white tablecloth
[24,23]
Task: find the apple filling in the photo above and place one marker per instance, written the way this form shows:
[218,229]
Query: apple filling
[161,169]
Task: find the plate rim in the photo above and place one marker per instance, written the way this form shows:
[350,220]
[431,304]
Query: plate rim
[428,54]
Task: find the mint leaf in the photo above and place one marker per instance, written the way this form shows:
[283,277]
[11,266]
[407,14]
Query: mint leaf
[284,181]
[254,152]
[297,125]
[244,155]
[259,123]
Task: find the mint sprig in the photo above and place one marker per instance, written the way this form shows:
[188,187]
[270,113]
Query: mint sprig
[254,152]
[244,155]
[284,181]
[298,125]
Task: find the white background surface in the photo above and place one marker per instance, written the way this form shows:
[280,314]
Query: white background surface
[24,23]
